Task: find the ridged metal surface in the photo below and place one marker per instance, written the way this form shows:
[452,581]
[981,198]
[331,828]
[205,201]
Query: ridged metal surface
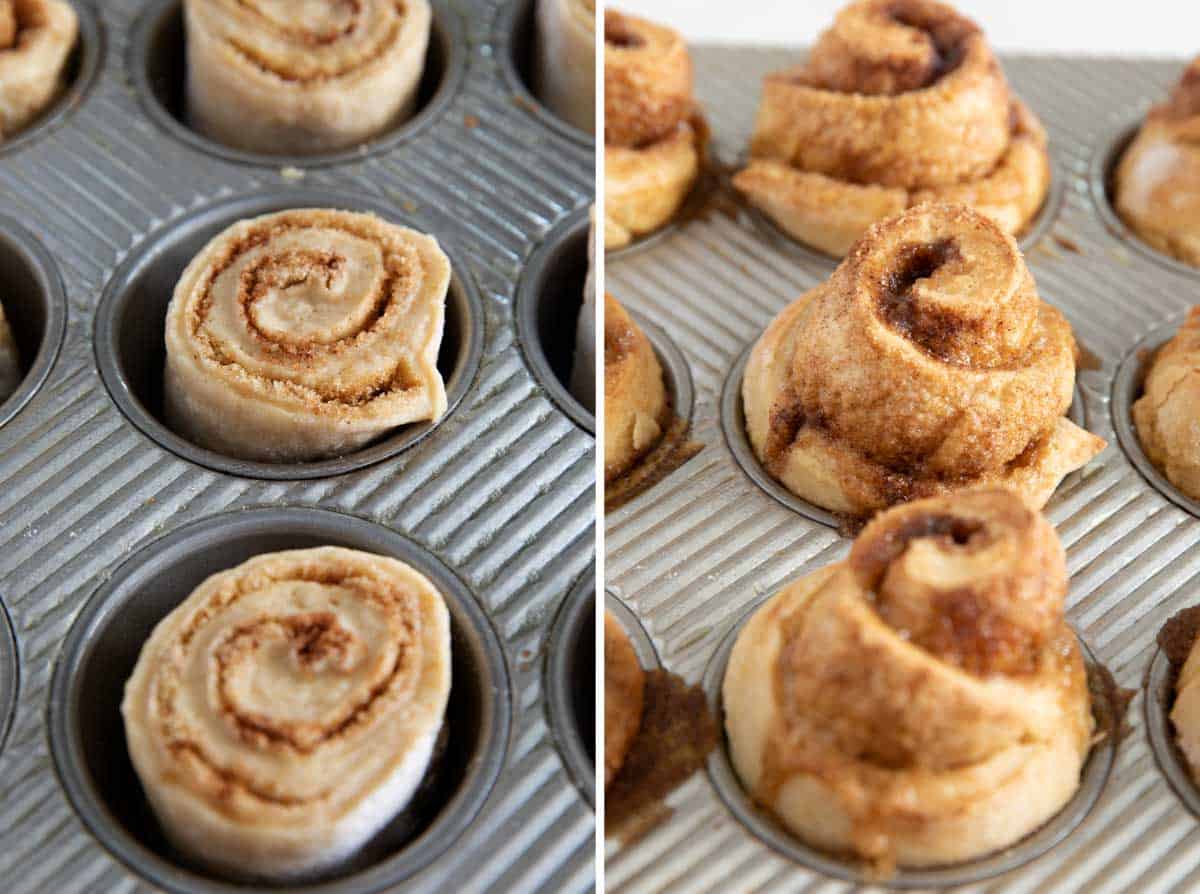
[692,554]
[501,491]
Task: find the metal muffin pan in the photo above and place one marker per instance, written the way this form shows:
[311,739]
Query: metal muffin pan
[724,778]
[500,492]
[1159,696]
[693,553]
[87,735]
[157,65]
[130,320]
[571,683]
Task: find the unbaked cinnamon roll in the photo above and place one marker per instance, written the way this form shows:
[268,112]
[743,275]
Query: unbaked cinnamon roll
[624,688]
[10,360]
[653,135]
[306,334]
[1157,184]
[636,411]
[922,702]
[565,60]
[266,76]
[288,709]
[36,39]
[901,102]
[927,363]
[1165,415]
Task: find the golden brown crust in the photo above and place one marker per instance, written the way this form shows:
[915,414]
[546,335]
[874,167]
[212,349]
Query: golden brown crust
[923,701]
[647,81]
[635,398]
[1166,413]
[926,364]
[1157,184]
[644,188]
[36,38]
[624,686]
[903,96]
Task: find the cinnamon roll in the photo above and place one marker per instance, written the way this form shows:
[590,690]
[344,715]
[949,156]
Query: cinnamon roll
[901,102]
[10,360]
[1157,184]
[36,39]
[565,60]
[653,135]
[624,689]
[1185,712]
[923,701]
[306,334]
[267,77]
[1165,415]
[288,708]
[927,363]
[636,412]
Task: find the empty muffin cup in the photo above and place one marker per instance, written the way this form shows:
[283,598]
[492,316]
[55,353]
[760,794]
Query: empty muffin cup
[35,306]
[87,735]
[733,424]
[768,830]
[546,311]
[157,63]
[570,671]
[80,73]
[130,325]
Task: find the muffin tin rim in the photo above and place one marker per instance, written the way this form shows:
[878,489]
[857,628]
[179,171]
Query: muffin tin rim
[570,620]
[723,777]
[446,25]
[106,335]
[10,673]
[1159,730]
[44,267]
[89,808]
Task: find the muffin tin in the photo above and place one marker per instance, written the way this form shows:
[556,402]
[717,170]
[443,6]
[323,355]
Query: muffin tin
[691,556]
[106,521]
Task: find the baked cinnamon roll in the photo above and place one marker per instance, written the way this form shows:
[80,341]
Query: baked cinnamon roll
[288,709]
[922,702]
[636,412]
[1165,415]
[306,334]
[624,689]
[267,77]
[926,364]
[653,135]
[901,102]
[1157,184]
[36,39]
[565,60]
[10,360]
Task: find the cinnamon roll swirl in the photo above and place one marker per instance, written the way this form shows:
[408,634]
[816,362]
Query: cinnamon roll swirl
[306,334]
[288,708]
[901,102]
[10,360]
[1165,415]
[927,363]
[1157,184]
[653,135]
[565,60]
[267,77]
[636,411]
[923,701]
[36,39]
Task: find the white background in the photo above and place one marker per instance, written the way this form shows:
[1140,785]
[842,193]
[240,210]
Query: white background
[1144,27]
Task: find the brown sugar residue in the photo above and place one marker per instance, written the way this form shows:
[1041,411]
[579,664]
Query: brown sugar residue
[1178,635]
[678,731]
[1067,244]
[470,121]
[673,449]
[1110,705]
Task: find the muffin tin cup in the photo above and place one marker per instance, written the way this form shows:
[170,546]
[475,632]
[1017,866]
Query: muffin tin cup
[514,47]
[132,311]
[1126,389]
[570,672]
[733,424]
[725,780]
[86,731]
[1157,699]
[156,63]
[643,646]
[1101,171]
[83,66]
[35,305]
[546,312]
[10,674]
